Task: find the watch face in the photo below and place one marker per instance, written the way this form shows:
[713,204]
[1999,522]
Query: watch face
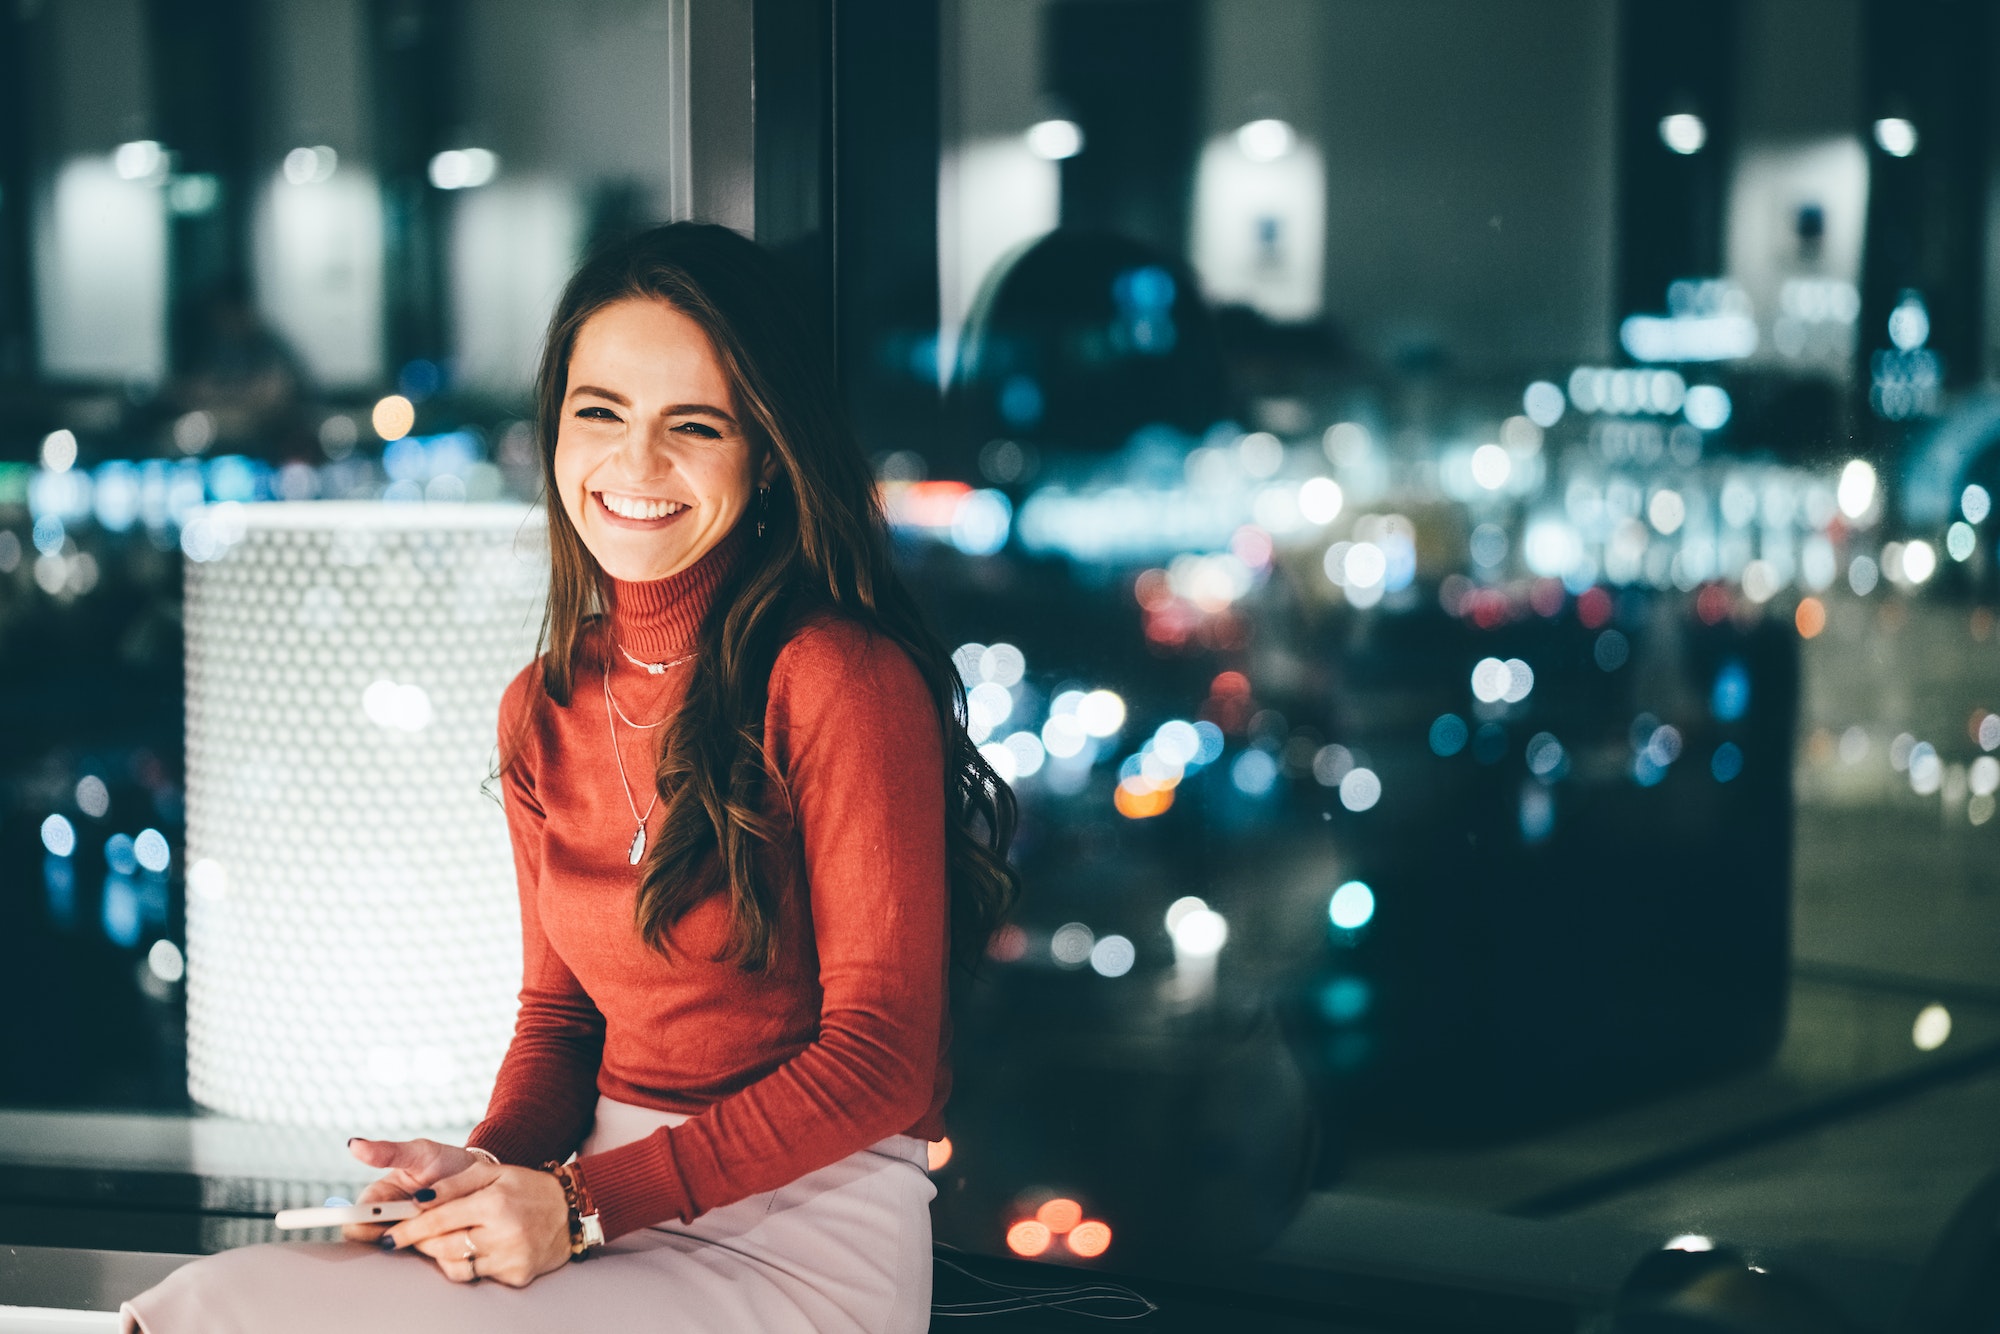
[593,1230]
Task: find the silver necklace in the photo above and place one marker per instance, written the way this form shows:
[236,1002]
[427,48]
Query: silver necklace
[653,667]
[611,708]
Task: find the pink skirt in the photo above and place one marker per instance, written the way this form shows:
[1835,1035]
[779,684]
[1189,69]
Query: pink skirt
[844,1249]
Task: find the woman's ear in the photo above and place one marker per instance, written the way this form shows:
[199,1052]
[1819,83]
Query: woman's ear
[767,471]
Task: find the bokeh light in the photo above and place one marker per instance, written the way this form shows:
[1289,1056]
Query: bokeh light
[1101,712]
[1113,956]
[59,835]
[1320,500]
[1139,800]
[1932,1028]
[150,850]
[1071,944]
[1856,491]
[393,416]
[1727,762]
[1029,1237]
[1543,402]
[1448,735]
[1055,139]
[938,1153]
[1089,1239]
[166,962]
[1352,906]
[1810,617]
[1683,132]
[1266,140]
[1360,790]
[92,797]
[1896,136]
[1060,1214]
[1200,933]
[59,450]
[463,168]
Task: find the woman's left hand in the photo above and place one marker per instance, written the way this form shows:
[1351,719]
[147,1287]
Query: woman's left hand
[509,1224]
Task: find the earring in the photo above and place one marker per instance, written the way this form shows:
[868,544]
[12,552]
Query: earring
[763,508]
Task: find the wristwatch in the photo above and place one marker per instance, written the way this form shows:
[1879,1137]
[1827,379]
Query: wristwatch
[586,1227]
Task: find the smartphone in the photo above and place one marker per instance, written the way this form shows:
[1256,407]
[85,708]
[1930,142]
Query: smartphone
[382,1211]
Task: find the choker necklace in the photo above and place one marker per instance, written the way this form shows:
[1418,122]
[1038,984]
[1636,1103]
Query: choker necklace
[653,667]
[638,849]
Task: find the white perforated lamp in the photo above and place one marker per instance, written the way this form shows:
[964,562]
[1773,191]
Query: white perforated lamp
[352,929]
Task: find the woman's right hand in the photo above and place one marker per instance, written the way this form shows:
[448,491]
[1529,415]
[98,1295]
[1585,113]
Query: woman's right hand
[412,1165]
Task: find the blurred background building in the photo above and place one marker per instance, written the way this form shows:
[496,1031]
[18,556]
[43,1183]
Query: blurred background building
[1469,525]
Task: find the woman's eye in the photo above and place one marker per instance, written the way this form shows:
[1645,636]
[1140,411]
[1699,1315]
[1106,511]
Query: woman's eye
[700,429]
[597,414]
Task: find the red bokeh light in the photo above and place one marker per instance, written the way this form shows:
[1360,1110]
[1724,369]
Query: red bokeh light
[1008,944]
[1593,608]
[1713,604]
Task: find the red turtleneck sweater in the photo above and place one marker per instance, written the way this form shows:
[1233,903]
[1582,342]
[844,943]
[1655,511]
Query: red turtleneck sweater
[841,1040]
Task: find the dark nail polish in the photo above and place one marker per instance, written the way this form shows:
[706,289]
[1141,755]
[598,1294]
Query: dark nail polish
[387,1243]
[425,1196]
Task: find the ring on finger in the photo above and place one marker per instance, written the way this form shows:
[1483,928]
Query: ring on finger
[471,1258]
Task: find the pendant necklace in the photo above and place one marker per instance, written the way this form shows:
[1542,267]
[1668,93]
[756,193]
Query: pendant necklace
[638,849]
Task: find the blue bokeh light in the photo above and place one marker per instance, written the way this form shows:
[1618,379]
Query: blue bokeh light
[1730,699]
[1727,762]
[1448,735]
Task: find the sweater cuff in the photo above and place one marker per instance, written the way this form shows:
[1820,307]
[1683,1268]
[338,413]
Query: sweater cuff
[506,1143]
[636,1185]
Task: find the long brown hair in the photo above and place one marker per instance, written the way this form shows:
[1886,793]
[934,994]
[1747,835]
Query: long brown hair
[825,545]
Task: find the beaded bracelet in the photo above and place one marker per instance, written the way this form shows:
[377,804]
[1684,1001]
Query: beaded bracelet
[585,1228]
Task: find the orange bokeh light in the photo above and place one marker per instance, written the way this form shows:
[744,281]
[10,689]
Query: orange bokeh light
[1029,1237]
[393,417]
[1089,1238]
[1136,802]
[1060,1215]
[940,1153]
[1811,618]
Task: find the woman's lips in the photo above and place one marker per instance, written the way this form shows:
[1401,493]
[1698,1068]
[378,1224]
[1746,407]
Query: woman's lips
[617,520]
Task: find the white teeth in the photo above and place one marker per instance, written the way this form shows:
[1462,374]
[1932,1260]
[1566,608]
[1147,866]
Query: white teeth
[627,508]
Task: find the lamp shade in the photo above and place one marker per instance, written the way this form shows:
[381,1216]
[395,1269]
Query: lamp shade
[352,929]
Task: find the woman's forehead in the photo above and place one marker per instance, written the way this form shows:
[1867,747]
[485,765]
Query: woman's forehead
[645,349]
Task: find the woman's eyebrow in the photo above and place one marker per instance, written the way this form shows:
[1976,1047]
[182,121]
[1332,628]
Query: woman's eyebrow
[699,410]
[677,410]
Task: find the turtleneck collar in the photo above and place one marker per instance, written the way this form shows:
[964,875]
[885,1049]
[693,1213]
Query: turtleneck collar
[659,619]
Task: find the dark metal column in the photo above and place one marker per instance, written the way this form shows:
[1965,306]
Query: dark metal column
[1925,61]
[18,37]
[417,96]
[1672,59]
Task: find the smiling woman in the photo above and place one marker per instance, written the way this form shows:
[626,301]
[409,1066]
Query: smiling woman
[650,471]
[757,1011]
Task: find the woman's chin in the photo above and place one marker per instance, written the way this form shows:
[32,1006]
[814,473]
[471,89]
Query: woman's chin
[642,562]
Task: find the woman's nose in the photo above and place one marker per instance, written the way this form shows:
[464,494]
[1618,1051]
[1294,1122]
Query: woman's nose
[647,452]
